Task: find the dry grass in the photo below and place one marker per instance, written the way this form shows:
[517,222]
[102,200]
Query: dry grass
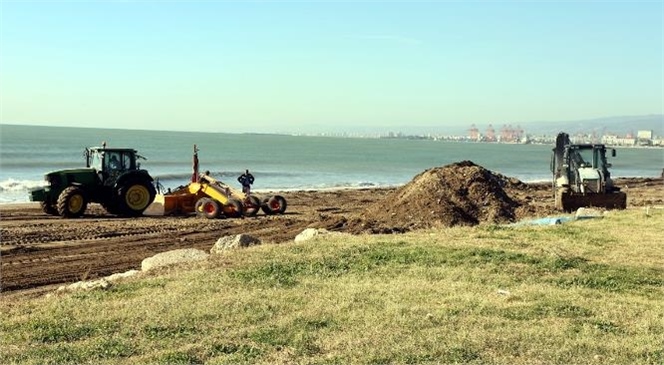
[584,292]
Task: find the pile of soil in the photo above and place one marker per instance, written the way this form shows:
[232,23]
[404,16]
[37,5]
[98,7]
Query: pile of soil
[461,193]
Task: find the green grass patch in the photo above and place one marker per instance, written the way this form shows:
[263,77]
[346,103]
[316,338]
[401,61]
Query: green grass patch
[488,294]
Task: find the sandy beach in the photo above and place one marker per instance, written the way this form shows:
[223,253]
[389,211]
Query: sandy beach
[40,251]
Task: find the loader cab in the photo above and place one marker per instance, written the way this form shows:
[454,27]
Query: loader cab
[589,156]
[583,156]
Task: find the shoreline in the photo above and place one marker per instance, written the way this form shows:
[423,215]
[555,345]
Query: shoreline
[618,180]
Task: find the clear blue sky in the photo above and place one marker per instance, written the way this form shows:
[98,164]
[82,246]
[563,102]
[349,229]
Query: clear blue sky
[305,66]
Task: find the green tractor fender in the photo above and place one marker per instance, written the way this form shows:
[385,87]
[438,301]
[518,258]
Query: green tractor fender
[129,176]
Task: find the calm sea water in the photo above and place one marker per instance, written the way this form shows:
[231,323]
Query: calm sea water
[278,162]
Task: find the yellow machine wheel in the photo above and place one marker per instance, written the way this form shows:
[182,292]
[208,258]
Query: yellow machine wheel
[135,197]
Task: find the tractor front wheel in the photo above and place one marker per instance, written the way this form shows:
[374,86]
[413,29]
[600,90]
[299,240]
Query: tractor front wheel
[135,197]
[48,208]
[72,202]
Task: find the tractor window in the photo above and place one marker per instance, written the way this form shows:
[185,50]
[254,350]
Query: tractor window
[114,161]
[126,161]
[95,161]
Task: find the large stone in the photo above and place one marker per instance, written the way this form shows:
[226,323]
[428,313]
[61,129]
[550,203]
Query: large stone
[588,213]
[173,257]
[122,275]
[103,283]
[311,233]
[87,285]
[233,242]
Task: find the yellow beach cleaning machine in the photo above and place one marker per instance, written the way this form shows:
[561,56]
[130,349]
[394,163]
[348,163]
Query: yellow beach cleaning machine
[211,198]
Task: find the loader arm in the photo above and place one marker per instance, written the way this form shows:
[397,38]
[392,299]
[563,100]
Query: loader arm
[209,190]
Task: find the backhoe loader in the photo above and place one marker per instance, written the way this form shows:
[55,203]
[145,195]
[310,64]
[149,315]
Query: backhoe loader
[581,176]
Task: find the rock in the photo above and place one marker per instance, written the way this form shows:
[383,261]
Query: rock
[86,285]
[173,257]
[588,213]
[310,233]
[121,275]
[234,242]
[103,283]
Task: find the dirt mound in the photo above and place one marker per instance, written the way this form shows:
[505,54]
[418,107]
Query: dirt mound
[461,193]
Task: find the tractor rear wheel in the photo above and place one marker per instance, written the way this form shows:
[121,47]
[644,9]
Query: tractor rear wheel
[251,206]
[72,202]
[135,197]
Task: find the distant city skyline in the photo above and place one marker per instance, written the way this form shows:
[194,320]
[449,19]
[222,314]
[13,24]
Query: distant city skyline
[318,66]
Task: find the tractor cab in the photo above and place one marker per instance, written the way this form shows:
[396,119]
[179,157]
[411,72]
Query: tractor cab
[110,163]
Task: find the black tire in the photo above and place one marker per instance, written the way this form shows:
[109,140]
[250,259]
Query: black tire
[135,196]
[234,209]
[251,206]
[277,204]
[266,207]
[48,208]
[198,207]
[208,208]
[72,202]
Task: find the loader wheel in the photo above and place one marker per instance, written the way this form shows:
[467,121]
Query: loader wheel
[72,202]
[135,197]
[198,207]
[251,206]
[266,207]
[277,204]
[207,208]
[48,208]
[233,209]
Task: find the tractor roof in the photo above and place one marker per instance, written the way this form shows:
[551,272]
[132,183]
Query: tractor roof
[102,149]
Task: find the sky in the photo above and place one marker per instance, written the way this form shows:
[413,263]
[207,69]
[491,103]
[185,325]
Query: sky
[318,66]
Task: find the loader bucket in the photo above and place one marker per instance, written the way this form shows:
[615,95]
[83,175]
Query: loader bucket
[571,202]
[171,204]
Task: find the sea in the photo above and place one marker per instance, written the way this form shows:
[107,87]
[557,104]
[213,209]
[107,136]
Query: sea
[278,162]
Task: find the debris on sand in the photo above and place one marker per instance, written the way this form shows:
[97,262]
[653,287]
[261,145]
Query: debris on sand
[461,193]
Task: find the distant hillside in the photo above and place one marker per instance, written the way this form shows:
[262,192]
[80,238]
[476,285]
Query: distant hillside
[618,125]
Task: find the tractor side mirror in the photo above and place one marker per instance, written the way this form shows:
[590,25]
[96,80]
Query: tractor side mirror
[613,152]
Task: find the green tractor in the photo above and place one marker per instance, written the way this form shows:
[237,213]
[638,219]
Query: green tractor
[112,177]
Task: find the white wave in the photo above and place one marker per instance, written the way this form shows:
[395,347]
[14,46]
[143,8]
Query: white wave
[13,185]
